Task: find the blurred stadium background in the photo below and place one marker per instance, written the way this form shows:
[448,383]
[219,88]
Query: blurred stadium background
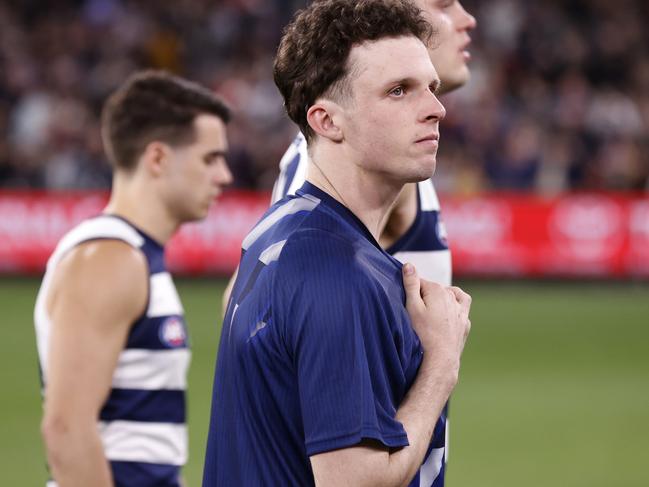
[544,171]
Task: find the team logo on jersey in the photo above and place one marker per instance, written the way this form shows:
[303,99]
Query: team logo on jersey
[172,332]
[442,236]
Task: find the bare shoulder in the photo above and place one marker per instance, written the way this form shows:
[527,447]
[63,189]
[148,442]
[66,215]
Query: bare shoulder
[99,274]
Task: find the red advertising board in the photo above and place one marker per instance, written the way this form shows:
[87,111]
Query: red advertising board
[575,235]
[32,223]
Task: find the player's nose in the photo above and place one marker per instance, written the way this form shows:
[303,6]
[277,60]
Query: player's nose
[469,21]
[223,175]
[434,110]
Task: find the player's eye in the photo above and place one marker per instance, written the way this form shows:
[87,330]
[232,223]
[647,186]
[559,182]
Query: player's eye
[210,160]
[398,91]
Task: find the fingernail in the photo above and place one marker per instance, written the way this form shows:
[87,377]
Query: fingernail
[408,269]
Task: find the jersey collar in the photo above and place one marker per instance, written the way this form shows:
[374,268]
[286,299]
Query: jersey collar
[335,205]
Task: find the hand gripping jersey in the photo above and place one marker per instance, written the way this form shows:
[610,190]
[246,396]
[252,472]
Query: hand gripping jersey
[317,350]
[142,423]
[424,244]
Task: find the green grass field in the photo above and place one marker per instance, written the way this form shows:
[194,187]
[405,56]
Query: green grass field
[554,387]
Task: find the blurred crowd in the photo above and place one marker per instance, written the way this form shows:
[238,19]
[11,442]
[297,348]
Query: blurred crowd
[558,100]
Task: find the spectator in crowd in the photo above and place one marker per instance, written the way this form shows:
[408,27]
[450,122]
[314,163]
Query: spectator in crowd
[566,73]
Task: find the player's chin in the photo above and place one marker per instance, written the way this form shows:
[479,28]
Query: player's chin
[456,77]
[461,76]
[205,211]
[424,169]
[198,213]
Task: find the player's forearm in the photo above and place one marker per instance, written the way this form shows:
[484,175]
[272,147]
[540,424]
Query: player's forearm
[418,413]
[75,454]
[367,465]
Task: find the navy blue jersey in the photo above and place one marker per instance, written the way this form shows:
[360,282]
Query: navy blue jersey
[317,350]
[142,423]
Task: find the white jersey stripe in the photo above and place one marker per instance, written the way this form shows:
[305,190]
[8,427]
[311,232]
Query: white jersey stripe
[431,467]
[101,227]
[152,369]
[272,253]
[447,435]
[300,172]
[428,196]
[431,265]
[164,299]
[289,155]
[294,206]
[133,441]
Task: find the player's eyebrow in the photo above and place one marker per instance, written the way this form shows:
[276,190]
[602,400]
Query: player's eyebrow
[215,154]
[409,81]
[401,81]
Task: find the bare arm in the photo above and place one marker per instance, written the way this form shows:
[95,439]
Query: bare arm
[440,317]
[99,289]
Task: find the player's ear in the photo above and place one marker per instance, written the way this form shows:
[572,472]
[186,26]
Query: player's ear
[155,155]
[322,117]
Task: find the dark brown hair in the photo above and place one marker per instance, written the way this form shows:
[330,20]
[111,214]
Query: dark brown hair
[312,57]
[154,105]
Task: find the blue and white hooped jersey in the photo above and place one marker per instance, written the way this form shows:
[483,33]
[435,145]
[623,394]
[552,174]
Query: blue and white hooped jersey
[142,424]
[424,244]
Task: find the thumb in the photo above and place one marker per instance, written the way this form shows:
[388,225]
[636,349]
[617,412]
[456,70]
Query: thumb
[411,283]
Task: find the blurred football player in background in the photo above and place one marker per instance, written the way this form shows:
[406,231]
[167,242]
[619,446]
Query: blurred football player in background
[112,341]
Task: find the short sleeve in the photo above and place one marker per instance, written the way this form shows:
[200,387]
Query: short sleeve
[337,325]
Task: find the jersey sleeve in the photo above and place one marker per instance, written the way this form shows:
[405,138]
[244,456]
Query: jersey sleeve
[337,329]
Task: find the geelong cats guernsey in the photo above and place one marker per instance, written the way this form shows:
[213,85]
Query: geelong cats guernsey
[317,350]
[142,423]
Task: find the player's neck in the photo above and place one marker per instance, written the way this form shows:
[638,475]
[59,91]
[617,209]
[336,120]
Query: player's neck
[400,217]
[368,196]
[130,200]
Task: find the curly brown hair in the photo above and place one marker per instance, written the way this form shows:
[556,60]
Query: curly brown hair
[154,105]
[312,58]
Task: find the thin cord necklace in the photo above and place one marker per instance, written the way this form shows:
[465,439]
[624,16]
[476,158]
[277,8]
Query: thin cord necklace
[342,200]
